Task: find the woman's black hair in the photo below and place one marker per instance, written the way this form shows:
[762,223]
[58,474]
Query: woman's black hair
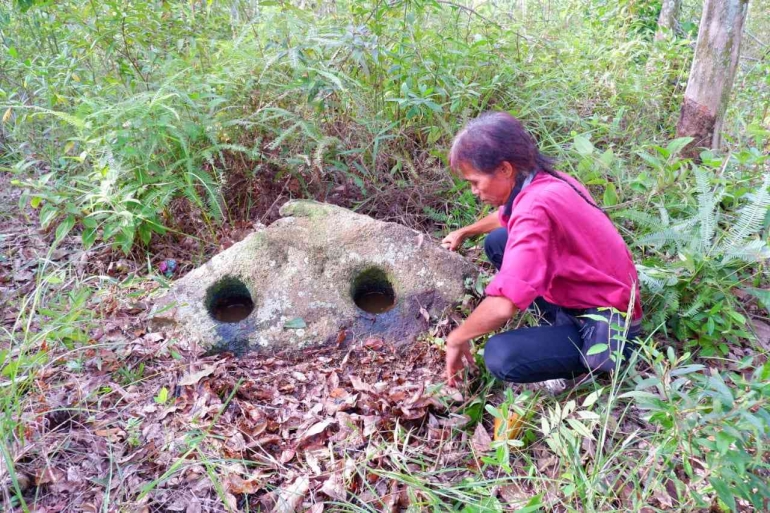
[497,137]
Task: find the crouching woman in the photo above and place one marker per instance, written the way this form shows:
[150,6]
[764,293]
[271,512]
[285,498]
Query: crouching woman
[554,249]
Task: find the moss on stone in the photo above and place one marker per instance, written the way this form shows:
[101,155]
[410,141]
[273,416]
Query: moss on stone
[309,209]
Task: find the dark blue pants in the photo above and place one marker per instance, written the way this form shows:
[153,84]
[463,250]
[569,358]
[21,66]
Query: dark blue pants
[527,355]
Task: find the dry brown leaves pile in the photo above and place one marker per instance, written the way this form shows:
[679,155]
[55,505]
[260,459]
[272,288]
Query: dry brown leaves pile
[279,433]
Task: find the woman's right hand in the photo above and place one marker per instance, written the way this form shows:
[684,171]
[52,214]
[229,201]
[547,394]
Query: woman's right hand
[454,240]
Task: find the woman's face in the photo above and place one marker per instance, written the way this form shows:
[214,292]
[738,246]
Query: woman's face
[493,188]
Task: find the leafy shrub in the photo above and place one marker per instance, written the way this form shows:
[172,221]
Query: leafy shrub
[699,259]
[716,427]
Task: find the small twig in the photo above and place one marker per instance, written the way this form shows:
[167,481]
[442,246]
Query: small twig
[472,11]
[752,36]
[131,59]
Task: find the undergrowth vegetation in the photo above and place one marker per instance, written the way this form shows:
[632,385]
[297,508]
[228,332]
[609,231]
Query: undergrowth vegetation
[143,130]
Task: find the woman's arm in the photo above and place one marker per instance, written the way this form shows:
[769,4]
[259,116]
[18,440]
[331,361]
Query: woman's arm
[484,225]
[491,314]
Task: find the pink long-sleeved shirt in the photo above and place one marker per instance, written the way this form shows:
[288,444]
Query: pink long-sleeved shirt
[565,250]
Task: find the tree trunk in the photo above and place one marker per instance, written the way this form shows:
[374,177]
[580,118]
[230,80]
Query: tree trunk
[669,13]
[712,73]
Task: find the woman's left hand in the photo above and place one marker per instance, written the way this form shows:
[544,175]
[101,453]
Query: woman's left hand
[455,352]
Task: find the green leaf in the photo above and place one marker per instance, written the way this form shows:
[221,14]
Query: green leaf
[607,157]
[583,145]
[125,239]
[724,492]
[534,504]
[639,394]
[595,317]
[597,349]
[610,195]
[162,396]
[588,415]
[64,227]
[35,201]
[145,234]
[13,53]
[763,295]
[488,504]
[495,412]
[47,214]
[592,397]
[676,145]
[88,237]
[580,428]
[650,159]
[297,323]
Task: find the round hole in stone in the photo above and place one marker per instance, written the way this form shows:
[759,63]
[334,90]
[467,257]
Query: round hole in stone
[372,292]
[229,300]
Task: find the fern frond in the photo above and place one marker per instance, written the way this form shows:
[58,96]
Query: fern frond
[753,252]
[665,219]
[435,215]
[751,219]
[282,137]
[694,307]
[641,219]
[656,279]
[664,306]
[213,194]
[708,213]
[652,283]
[318,155]
[670,301]
[665,237]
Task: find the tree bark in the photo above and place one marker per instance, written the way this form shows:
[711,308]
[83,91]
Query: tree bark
[712,73]
[669,12]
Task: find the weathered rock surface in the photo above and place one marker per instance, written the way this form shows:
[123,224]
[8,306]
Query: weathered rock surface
[301,273]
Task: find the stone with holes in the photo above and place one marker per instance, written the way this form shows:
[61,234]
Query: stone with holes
[321,274]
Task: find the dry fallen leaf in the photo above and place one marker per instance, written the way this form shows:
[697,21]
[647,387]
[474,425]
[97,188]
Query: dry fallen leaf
[111,434]
[664,499]
[49,475]
[359,385]
[515,495]
[370,424]
[236,485]
[193,377]
[481,441]
[232,501]
[194,506]
[315,429]
[290,497]
[287,455]
[375,344]
[334,487]
[312,462]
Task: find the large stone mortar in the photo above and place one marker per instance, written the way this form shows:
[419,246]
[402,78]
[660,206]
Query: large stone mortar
[301,274]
